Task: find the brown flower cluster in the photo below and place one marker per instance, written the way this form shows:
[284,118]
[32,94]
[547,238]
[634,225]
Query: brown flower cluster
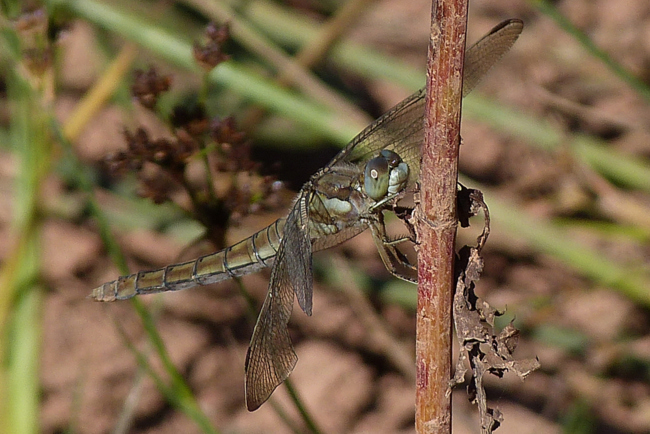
[211,54]
[161,165]
[147,86]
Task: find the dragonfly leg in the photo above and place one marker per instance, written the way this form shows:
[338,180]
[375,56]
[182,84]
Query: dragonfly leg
[398,240]
[394,260]
[404,213]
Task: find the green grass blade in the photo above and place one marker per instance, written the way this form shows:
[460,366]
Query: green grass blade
[20,296]
[23,363]
[624,170]
[549,238]
[179,393]
[175,49]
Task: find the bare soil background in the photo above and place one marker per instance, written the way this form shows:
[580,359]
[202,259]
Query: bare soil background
[591,340]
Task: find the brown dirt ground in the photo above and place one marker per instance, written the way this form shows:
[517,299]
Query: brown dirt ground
[90,378]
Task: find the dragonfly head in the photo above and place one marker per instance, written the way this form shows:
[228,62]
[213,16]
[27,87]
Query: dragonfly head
[385,175]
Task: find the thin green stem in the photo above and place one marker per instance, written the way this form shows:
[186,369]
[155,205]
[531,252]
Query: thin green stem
[301,77]
[306,417]
[297,402]
[30,95]
[175,49]
[179,393]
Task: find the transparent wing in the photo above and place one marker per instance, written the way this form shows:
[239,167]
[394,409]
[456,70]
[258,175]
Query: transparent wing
[481,56]
[271,358]
[401,129]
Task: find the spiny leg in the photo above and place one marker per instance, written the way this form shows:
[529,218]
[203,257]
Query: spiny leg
[394,260]
[404,213]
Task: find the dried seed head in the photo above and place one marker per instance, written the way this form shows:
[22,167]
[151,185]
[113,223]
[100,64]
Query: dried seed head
[191,118]
[211,54]
[147,86]
[36,50]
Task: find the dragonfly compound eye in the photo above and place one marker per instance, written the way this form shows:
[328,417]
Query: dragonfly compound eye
[376,178]
[391,157]
[332,207]
[398,178]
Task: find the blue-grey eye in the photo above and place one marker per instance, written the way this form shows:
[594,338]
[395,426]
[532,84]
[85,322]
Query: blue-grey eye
[376,178]
[398,178]
[391,157]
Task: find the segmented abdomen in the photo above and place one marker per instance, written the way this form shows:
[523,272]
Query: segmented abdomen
[248,256]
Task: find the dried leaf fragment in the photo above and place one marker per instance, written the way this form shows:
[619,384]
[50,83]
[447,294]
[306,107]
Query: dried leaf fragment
[480,345]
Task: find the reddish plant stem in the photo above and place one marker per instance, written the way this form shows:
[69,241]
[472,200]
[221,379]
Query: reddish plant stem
[436,223]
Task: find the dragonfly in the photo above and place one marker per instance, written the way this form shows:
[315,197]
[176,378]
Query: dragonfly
[346,197]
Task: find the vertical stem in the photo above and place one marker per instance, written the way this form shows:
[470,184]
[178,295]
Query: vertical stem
[436,223]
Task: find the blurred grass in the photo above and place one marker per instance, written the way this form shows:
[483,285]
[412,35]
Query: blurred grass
[627,171]
[176,49]
[20,296]
[177,392]
[29,86]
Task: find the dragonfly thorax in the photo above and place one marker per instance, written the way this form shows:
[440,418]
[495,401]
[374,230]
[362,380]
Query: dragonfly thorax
[341,200]
[385,175]
[340,192]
